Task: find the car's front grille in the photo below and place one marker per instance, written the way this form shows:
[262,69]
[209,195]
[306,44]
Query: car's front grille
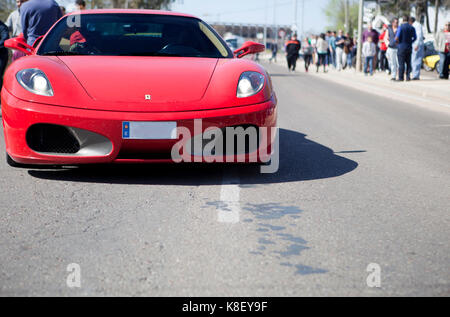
[50,138]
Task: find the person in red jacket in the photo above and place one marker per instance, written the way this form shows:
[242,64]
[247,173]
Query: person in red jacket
[383,63]
[292,52]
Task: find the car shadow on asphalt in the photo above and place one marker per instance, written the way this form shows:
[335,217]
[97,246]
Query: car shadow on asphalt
[300,159]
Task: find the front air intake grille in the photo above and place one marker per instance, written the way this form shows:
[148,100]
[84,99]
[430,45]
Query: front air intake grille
[50,138]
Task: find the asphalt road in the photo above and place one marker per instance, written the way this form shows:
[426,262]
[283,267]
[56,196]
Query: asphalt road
[362,179]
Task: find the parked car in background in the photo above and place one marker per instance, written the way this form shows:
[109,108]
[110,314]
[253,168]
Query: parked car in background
[234,41]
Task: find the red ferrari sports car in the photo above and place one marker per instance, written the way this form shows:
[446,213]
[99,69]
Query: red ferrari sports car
[111,86]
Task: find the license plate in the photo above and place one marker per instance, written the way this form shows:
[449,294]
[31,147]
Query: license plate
[149,130]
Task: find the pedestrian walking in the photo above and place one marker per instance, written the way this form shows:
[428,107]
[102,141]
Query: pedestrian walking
[4,35]
[292,52]
[392,49]
[328,57]
[348,45]
[370,31]
[369,51]
[405,36]
[274,48]
[417,49]
[313,42]
[307,52]
[322,49]
[332,48]
[442,45]
[37,16]
[384,66]
[340,40]
[353,52]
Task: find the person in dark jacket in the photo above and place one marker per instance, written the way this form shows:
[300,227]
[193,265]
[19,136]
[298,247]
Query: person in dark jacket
[292,52]
[37,17]
[4,35]
[274,48]
[406,35]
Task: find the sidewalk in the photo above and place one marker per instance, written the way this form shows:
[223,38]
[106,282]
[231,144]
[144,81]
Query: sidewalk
[429,91]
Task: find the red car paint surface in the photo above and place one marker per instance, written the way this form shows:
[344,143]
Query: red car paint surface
[98,93]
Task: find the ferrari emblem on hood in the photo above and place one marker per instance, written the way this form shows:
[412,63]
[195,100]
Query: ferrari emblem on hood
[148,97]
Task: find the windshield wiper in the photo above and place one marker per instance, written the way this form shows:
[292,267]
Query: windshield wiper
[61,53]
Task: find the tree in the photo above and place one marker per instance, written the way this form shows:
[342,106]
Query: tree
[399,7]
[132,4]
[335,11]
[422,11]
[6,7]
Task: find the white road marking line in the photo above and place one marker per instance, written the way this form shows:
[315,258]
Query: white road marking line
[229,208]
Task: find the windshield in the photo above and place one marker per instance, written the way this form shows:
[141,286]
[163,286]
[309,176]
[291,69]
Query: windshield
[133,35]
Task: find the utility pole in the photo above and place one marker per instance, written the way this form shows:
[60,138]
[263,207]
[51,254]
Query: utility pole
[294,24]
[265,23]
[126,4]
[303,17]
[360,26]
[275,21]
[346,25]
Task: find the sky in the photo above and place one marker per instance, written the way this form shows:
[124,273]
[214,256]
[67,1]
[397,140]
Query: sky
[257,11]
[251,11]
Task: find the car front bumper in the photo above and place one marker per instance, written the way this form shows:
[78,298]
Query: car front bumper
[19,115]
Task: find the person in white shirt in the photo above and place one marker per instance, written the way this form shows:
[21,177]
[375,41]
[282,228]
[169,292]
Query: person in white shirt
[341,57]
[417,49]
[368,51]
[13,21]
[322,52]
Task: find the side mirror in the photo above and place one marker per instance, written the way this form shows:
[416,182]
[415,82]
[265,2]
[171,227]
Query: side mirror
[18,43]
[249,48]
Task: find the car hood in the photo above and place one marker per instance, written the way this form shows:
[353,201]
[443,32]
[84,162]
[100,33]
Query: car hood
[142,83]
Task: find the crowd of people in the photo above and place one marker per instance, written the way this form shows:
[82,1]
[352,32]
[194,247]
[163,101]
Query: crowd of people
[334,49]
[397,50]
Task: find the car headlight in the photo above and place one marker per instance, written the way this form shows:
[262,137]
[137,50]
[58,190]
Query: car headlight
[250,83]
[35,81]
